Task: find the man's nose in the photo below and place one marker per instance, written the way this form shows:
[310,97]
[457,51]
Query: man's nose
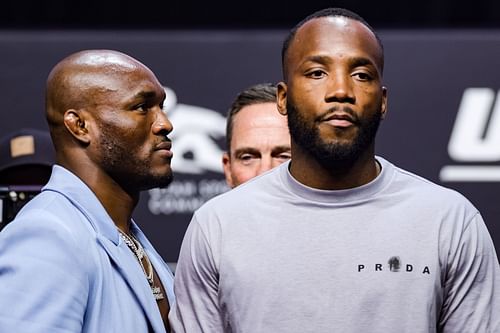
[162,124]
[266,163]
[340,88]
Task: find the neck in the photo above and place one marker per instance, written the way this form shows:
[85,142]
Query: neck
[310,172]
[119,206]
[118,203]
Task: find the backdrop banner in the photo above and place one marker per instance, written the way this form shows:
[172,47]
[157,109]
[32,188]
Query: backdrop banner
[443,121]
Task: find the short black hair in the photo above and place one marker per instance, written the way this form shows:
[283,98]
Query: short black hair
[256,94]
[327,12]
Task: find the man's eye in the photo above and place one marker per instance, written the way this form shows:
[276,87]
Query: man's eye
[285,156]
[363,76]
[141,107]
[246,157]
[317,74]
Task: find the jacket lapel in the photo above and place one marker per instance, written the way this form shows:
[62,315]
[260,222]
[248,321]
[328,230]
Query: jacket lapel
[129,268]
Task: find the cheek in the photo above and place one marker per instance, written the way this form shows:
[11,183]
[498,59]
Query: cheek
[129,131]
[123,141]
[241,173]
[303,91]
[277,161]
[307,102]
[370,95]
[126,122]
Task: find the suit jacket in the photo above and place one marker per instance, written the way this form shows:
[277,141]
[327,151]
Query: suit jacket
[64,268]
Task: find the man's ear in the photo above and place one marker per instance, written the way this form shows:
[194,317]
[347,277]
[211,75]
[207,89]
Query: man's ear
[77,124]
[281,97]
[226,164]
[384,102]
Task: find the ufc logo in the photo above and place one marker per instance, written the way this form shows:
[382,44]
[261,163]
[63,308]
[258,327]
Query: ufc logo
[475,138]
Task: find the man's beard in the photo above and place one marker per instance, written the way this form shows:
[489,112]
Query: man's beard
[129,171]
[336,156]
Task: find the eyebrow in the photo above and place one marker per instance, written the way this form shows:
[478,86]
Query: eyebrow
[280,149]
[146,94]
[361,61]
[354,61]
[249,150]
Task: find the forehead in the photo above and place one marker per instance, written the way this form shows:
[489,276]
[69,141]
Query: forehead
[261,115]
[118,81]
[259,126]
[334,35]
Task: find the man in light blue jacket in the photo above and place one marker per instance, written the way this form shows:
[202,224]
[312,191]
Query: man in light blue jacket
[73,260]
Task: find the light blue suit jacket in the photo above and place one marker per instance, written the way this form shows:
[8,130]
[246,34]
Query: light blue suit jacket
[64,268]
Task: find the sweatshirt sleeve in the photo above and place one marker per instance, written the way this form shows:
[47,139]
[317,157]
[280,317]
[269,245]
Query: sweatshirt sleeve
[472,283]
[196,284]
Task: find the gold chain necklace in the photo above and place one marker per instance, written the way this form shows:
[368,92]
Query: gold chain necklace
[135,246]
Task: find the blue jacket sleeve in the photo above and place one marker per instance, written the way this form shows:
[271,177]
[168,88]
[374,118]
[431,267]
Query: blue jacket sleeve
[43,281]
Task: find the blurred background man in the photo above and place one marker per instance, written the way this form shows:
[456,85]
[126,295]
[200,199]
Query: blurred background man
[257,135]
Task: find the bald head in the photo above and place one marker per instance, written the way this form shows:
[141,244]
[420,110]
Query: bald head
[84,81]
[105,108]
[74,81]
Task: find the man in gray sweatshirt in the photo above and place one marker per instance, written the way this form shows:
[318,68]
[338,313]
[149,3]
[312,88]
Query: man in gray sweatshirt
[338,239]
